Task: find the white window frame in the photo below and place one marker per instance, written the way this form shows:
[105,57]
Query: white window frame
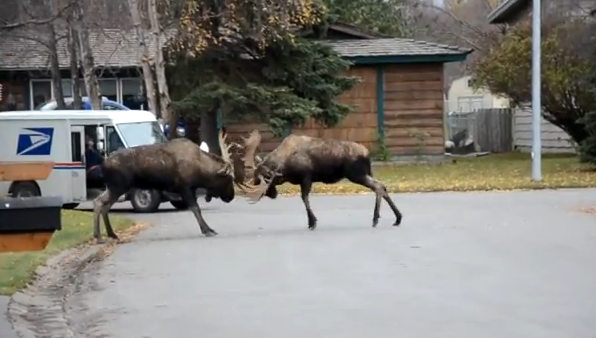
[118,80]
[53,91]
[118,90]
[31,102]
[120,86]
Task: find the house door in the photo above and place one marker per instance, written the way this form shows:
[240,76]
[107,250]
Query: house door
[78,172]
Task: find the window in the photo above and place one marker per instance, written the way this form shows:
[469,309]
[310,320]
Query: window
[131,88]
[140,133]
[109,89]
[41,91]
[75,146]
[113,140]
[66,88]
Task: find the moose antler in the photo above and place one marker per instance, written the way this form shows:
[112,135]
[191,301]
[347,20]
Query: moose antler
[250,147]
[225,153]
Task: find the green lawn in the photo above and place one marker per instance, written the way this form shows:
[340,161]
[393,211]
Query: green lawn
[493,172]
[16,268]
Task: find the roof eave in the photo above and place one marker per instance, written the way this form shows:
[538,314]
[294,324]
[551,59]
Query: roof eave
[506,11]
[397,59]
[354,31]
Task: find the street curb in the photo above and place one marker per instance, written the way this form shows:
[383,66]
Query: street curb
[38,309]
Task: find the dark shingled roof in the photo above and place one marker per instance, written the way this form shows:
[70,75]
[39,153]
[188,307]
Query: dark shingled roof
[392,47]
[111,48]
[118,49]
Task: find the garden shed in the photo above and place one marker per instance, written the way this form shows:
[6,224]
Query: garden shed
[399,99]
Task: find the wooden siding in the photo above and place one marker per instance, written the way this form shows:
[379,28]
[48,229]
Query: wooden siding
[17,89]
[360,126]
[413,105]
[554,139]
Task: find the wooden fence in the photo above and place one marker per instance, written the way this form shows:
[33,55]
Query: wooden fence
[491,128]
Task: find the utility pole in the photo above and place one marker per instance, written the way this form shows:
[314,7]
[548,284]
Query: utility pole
[536,92]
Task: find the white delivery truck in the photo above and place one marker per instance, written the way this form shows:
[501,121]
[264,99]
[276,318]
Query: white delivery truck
[52,144]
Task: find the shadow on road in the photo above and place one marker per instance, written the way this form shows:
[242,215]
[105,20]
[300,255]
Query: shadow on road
[131,211]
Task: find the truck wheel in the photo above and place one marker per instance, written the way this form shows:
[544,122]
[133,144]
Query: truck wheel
[180,205]
[70,206]
[25,189]
[145,200]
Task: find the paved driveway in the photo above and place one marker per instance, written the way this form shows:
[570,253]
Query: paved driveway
[508,264]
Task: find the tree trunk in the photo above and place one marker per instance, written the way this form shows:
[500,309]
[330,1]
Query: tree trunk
[209,130]
[146,58]
[73,46]
[160,70]
[86,55]
[55,68]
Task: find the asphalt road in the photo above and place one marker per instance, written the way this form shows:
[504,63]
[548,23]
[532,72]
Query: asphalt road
[6,330]
[502,264]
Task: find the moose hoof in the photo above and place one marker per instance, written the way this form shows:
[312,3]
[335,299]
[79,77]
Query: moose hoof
[375,222]
[114,237]
[397,221]
[211,233]
[312,226]
[100,241]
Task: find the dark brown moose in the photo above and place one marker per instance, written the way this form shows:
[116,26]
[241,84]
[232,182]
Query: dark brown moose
[303,160]
[178,166]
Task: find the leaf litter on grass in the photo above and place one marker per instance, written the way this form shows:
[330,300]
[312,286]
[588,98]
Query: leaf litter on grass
[16,269]
[493,172]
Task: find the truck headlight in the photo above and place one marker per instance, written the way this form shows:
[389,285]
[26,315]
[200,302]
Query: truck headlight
[180,131]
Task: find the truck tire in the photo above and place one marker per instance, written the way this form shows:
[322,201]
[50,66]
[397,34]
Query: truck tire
[144,201]
[180,205]
[25,189]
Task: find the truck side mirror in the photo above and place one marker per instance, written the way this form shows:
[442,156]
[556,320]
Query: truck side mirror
[100,135]
[100,146]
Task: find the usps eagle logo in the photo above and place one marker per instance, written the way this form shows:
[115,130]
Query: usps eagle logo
[35,141]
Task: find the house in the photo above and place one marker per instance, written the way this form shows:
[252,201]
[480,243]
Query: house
[553,138]
[400,96]
[462,97]
[25,78]
[25,73]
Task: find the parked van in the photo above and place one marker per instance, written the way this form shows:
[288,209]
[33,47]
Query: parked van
[52,144]
[106,104]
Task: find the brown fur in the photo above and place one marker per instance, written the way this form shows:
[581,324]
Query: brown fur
[177,166]
[304,160]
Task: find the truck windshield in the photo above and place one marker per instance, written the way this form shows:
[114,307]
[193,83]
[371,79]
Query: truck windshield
[140,133]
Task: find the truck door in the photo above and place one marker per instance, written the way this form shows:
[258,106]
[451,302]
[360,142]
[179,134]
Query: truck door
[78,172]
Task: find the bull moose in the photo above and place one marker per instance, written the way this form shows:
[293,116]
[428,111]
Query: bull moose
[303,160]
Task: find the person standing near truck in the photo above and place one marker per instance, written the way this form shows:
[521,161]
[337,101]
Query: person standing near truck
[93,161]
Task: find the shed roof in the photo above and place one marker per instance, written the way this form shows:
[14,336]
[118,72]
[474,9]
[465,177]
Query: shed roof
[395,50]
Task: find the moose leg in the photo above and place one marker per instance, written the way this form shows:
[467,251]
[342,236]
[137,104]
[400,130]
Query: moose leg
[190,199]
[102,205]
[396,212]
[305,187]
[113,196]
[380,191]
[98,204]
